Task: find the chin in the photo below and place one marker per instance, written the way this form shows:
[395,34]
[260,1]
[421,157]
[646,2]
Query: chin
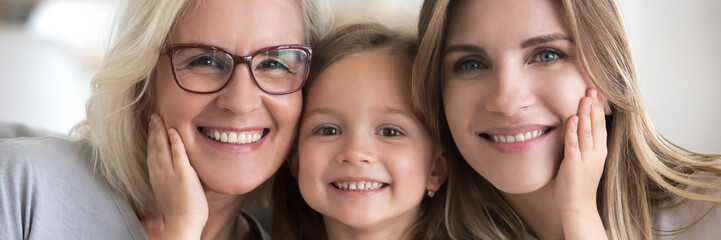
[522,185]
[231,185]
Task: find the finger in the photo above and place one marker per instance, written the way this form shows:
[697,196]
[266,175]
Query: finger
[151,151]
[598,119]
[162,145]
[571,151]
[585,132]
[180,157]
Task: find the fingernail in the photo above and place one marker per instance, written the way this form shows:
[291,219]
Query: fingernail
[172,131]
[594,93]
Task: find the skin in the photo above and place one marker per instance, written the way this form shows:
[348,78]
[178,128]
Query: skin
[498,83]
[358,124]
[216,175]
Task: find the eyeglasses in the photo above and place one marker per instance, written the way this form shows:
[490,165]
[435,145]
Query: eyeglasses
[204,69]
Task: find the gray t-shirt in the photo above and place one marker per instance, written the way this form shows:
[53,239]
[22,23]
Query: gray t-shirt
[48,190]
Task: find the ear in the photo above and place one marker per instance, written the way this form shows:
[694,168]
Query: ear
[439,171]
[293,164]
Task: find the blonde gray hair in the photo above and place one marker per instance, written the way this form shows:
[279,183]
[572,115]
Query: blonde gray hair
[119,107]
[644,172]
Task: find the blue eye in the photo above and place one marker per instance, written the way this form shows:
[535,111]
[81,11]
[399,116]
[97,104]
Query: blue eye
[327,131]
[468,66]
[548,56]
[390,132]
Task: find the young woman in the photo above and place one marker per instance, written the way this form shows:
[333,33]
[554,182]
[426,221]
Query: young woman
[490,71]
[215,73]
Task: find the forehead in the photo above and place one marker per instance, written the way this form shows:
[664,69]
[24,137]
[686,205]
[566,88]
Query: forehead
[240,25]
[366,80]
[504,21]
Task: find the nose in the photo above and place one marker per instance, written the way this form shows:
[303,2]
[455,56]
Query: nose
[241,95]
[509,92]
[356,150]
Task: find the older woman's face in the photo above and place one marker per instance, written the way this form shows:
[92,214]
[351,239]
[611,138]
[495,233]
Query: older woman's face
[511,80]
[241,108]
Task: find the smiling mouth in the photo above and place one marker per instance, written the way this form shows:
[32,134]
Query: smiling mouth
[359,186]
[518,137]
[243,137]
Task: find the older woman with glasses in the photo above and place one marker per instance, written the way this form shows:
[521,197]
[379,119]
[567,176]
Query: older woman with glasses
[195,96]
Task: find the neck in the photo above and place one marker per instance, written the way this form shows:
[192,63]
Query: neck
[223,210]
[395,228]
[538,211]
[223,221]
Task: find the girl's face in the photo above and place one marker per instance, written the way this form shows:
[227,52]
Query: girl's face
[511,80]
[241,107]
[365,160]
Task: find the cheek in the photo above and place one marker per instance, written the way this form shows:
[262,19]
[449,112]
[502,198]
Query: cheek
[410,164]
[461,101]
[176,106]
[563,92]
[285,109]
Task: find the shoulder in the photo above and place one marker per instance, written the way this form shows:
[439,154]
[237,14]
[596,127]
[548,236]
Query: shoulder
[36,156]
[701,218]
[49,188]
[255,226]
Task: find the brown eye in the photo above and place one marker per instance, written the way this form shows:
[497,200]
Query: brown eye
[390,132]
[328,131]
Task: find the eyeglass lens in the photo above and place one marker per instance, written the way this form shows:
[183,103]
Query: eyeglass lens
[207,70]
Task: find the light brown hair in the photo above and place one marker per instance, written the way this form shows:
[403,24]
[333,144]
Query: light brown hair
[644,172]
[292,217]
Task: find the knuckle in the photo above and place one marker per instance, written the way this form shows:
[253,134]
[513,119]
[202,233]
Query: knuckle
[587,133]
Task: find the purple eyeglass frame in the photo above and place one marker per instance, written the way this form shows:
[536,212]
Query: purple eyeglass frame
[170,49]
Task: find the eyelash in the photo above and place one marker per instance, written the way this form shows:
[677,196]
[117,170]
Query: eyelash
[462,62]
[458,67]
[319,130]
[399,132]
[536,57]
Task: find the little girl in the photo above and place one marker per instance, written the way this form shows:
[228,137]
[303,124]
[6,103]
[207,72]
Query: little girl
[364,161]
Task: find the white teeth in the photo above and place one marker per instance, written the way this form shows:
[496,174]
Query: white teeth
[520,137]
[358,186]
[234,137]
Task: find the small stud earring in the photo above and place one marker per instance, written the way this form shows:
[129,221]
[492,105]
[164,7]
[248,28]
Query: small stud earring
[431,193]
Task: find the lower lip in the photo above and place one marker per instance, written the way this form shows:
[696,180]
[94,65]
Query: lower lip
[232,147]
[516,147]
[363,193]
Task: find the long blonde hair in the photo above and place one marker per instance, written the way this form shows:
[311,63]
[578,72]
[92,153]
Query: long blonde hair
[644,172]
[119,108]
[292,217]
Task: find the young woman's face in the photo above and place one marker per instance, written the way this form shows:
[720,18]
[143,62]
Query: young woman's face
[365,160]
[511,80]
[241,107]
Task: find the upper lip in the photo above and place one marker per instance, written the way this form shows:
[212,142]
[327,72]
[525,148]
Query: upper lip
[516,129]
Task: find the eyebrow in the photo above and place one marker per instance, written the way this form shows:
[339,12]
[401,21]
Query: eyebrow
[464,48]
[395,111]
[325,111]
[544,39]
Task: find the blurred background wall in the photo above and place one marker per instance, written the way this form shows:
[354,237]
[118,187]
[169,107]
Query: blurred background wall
[51,48]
